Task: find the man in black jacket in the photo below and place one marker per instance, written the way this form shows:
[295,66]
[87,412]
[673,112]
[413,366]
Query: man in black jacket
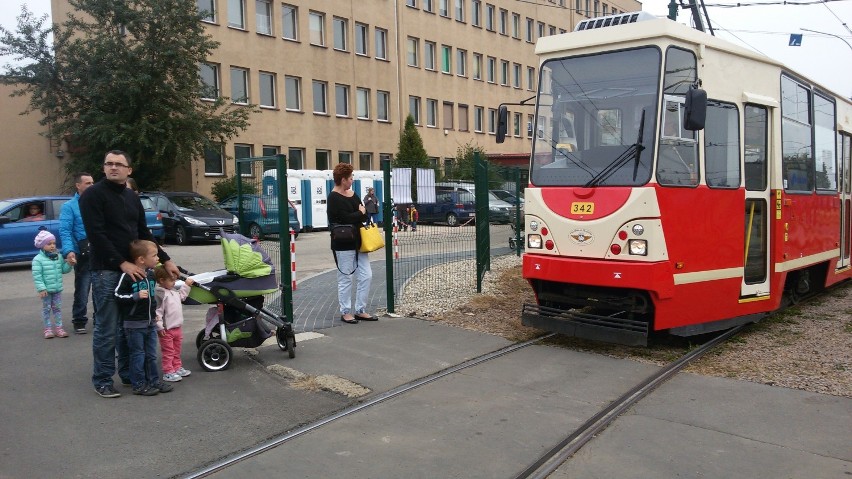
[113,217]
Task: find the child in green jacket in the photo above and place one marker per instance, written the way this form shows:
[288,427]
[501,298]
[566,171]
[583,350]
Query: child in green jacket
[48,268]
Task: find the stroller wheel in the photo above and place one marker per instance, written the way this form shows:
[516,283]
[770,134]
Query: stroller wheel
[200,337]
[214,355]
[286,340]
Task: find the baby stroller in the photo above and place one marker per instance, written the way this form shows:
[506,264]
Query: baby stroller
[239,318]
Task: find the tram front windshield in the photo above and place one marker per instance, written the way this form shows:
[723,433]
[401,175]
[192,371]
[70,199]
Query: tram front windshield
[596,118]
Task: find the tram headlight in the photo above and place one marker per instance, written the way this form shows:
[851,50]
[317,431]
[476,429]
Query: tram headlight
[534,241]
[638,229]
[534,225]
[638,247]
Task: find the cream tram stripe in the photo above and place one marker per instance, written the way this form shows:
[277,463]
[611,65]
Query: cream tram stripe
[807,260]
[709,275]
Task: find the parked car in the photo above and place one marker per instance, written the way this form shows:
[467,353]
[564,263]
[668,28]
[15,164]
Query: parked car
[498,210]
[260,213]
[189,216]
[451,207]
[17,229]
[508,197]
[154,219]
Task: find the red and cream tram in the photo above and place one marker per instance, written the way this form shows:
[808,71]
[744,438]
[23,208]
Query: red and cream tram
[678,183]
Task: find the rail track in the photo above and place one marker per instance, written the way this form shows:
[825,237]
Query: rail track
[544,465]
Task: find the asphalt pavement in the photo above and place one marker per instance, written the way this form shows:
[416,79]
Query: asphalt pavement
[488,421]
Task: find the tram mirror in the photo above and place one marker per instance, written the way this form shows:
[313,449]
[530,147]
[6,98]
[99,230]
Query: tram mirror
[502,123]
[695,111]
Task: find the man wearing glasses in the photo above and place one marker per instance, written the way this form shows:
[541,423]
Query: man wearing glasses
[113,217]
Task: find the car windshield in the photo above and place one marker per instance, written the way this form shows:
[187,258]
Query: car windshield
[147,203]
[596,118]
[193,203]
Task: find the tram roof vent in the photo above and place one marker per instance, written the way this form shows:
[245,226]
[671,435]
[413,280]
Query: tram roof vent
[612,20]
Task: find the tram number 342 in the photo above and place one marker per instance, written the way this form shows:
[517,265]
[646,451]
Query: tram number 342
[582,208]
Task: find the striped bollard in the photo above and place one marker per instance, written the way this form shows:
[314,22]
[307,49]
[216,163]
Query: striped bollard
[395,241]
[293,259]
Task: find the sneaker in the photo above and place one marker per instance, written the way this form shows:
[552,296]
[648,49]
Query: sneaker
[60,333]
[107,392]
[162,387]
[183,372]
[126,383]
[48,333]
[172,377]
[146,390]
[79,329]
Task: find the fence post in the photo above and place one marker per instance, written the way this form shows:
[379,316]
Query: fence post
[284,225]
[483,219]
[388,225]
[240,212]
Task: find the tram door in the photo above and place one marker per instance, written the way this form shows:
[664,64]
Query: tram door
[845,144]
[759,207]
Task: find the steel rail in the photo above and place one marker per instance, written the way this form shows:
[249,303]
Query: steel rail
[272,443]
[550,461]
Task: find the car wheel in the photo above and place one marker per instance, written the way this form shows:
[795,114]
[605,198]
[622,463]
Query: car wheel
[180,235]
[255,231]
[452,219]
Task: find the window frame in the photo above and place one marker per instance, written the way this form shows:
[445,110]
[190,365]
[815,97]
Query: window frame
[272,89]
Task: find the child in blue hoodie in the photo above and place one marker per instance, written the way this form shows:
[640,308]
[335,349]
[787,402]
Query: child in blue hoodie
[48,268]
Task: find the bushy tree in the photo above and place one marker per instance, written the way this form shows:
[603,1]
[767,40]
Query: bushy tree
[122,74]
[226,187]
[464,166]
[411,153]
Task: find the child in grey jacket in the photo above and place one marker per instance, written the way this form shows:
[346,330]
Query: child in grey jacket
[48,268]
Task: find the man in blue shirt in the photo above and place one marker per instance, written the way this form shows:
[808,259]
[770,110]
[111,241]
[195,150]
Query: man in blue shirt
[71,232]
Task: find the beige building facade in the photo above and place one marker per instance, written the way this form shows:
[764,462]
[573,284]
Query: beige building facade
[335,79]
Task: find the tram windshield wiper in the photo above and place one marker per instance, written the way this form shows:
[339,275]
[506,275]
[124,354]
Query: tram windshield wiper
[633,151]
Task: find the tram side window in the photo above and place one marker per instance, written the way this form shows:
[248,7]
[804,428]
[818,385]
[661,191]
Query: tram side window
[677,163]
[756,120]
[825,144]
[796,146]
[722,145]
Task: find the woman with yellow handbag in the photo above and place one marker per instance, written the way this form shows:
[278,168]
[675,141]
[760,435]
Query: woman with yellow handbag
[346,215]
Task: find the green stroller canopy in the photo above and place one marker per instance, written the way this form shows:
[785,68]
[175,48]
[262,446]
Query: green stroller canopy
[245,257]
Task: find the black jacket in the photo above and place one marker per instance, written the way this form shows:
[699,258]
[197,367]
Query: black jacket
[138,312]
[113,217]
[344,211]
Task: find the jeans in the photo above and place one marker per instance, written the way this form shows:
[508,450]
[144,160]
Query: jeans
[108,339]
[142,348]
[52,303]
[363,274]
[170,345]
[82,287]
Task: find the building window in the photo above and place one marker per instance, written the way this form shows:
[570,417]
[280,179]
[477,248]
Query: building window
[267,89]
[263,16]
[476,13]
[293,92]
[516,75]
[517,125]
[213,160]
[460,10]
[209,75]
[362,39]
[530,78]
[414,108]
[461,63]
[463,118]
[429,55]
[411,3]
[208,9]
[382,105]
[322,157]
[341,100]
[243,151]
[540,29]
[290,22]
[428,6]
[448,116]
[446,59]
[270,150]
[236,14]
[551,29]
[530,119]
[516,26]
[504,72]
[239,86]
[365,161]
[578,6]
[316,25]
[411,48]
[597,8]
[504,22]
[491,69]
[431,112]
[297,158]
[381,44]
[362,103]
[529,31]
[384,157]
[344,157]
[444,8]
[478,114]
[489,17]
[320,105]
[341,27]
[477,66]
[492,121]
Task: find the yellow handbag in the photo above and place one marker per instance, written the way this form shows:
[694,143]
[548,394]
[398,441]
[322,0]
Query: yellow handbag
[371,238]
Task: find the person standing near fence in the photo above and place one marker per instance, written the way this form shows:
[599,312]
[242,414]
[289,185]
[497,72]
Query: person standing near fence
[371,204]
[345,208]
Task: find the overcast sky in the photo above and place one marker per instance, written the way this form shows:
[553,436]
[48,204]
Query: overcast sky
[823,58]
